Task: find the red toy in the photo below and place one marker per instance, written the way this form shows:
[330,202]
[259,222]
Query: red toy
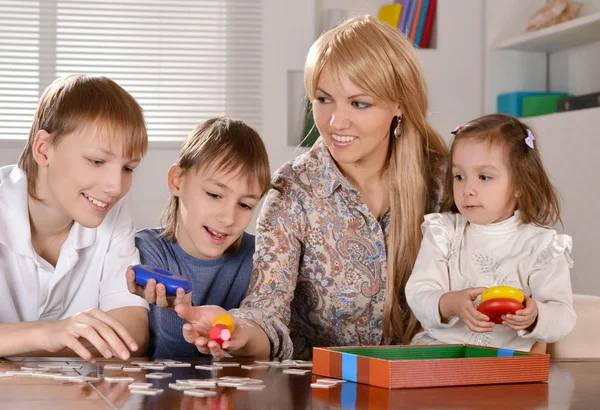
[495,308]
[222,329]
[220,333]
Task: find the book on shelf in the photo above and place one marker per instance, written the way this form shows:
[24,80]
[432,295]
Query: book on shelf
[390,14]
[410,14]
[404,14]
[421,23]
[426,40]
[413,18]
[579,102]
[415,21]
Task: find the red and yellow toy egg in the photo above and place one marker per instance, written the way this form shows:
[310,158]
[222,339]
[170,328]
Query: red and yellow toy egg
[501,300]
[222,329]
[224,319]
[503,292]
[220,334]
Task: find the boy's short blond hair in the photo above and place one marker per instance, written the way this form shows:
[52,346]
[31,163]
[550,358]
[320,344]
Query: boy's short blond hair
[77,101]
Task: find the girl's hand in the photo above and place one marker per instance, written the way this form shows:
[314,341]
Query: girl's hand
[98,328]
[196,332]
[156,294]
[524,318]
[460,303]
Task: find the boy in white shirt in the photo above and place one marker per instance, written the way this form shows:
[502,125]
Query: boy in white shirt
[66,235]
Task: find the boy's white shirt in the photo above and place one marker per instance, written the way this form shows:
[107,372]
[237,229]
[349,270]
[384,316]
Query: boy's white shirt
[90,271]
[456,255]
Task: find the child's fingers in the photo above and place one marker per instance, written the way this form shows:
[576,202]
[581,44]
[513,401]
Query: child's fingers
[150,291]
[479,326]
[477,321]
[190,334]
[475,314]
[519,319]
[130,277]
[161,296]
[201,345]
[182,297]
[474,292]
[215,349]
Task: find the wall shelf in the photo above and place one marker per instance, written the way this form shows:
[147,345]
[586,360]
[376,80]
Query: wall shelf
[574,33]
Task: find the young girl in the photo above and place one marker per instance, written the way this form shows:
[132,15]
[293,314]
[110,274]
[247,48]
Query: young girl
[65,232]
[217,183]
[340,229]
[497,232]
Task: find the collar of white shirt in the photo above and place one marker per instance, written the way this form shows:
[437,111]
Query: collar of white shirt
[15,231]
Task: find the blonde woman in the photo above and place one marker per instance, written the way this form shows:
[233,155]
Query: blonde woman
[340,229]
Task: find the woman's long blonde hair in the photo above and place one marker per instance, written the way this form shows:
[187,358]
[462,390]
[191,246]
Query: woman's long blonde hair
[381,61]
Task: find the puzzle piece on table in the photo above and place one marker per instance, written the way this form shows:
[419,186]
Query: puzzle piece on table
[201,383]
[119,379]
[209,367]
[153,367]
[228,383]
[296,371]
[182,386]
[147,392]
[158,375]
[131,369]
[254,366]
[139,385]
[48,375]
[200,393]
[322,385]
[252,387]
[227,364]
[179,364]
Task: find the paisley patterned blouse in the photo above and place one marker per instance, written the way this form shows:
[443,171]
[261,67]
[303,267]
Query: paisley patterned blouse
[320,264]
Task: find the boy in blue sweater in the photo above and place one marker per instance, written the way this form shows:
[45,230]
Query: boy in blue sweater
[218,181]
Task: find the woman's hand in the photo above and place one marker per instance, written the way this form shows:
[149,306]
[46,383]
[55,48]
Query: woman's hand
[460,303]
[156,294]
[100,330]
[196,332]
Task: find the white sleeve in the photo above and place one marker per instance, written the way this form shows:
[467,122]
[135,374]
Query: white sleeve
[550,284]
[430,277]
[121,253]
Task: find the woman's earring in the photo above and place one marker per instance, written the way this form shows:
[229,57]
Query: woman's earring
[398,129]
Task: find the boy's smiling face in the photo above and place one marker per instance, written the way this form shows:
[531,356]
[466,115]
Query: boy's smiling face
[215,208]
[84,175]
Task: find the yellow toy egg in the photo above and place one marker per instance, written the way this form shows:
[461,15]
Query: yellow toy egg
[505,292]
[224,319]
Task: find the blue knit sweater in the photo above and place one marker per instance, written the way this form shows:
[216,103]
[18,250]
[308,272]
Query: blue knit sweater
[223,282]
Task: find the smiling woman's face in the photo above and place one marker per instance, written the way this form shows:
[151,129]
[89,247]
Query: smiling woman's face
[354,125]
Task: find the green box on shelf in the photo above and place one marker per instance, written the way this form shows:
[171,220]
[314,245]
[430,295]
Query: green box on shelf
[542,104]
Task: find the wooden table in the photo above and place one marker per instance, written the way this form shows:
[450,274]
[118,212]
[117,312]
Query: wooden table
[572,385]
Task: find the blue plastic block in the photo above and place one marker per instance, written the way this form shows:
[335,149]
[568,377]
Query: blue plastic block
[512,103]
